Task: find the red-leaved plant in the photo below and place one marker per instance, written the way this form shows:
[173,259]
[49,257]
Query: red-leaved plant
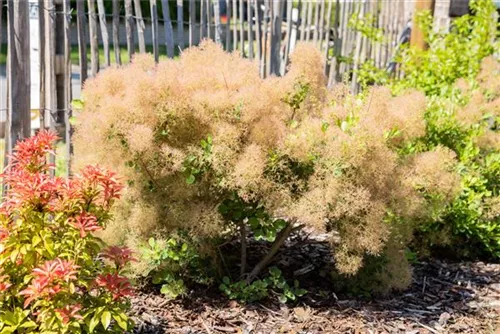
[55,275]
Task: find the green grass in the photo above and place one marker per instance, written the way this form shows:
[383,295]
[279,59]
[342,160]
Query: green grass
[3,54]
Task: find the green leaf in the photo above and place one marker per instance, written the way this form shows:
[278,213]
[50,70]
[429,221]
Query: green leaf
[106,319]
[151,242]
[190,179]
[77,104]
[275,272]
[121,320]
[282,299]
[93,322]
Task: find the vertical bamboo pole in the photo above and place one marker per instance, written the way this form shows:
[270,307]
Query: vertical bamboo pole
[140,26]
[154,29]
[116,31]
[81,25]
[94,46]
[129,28]
[169,31]
[104,31]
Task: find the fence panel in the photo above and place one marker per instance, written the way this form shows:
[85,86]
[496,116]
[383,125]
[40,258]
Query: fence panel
[264,30]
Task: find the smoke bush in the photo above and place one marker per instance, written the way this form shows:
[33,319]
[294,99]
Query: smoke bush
[208,147]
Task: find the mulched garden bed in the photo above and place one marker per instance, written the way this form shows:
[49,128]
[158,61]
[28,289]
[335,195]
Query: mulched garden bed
[443,298]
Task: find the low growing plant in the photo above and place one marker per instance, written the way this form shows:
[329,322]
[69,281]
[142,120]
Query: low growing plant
[55,275]
[260,289]
[172,263]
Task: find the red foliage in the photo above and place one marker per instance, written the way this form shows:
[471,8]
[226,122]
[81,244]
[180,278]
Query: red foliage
[119,255]
[119,286]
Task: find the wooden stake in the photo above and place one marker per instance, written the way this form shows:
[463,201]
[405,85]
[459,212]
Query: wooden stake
[129,28]
[94,47]
[81,24]
[250,28]
[154,30]
[169,30]
[192,17]
[140,26]
[180,24]
[218,26]
[18,120]
[67,92]
[116,31]
[104,31]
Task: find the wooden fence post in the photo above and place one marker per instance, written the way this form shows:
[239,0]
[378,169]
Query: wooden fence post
[218,26]
[235,26]
[228,25]
[250,28]
[94,46]
[203,19]
[242,28]
[104,31]
[129,28]
[169,31]
[289,23]
[154,26]
[67,91]
[258,30]
[180,24]
[140,26]
[18,122]
[192,19]
[82,39]
[116,28]
[417,36]
[277,10]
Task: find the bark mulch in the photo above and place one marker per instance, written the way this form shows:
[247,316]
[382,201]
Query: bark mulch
[443,298]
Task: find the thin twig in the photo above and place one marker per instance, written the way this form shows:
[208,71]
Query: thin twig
[205,325]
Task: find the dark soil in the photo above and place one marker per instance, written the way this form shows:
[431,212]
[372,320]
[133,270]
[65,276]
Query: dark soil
[444,297]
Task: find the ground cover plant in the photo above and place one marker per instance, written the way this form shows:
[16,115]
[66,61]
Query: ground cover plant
[56,276]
